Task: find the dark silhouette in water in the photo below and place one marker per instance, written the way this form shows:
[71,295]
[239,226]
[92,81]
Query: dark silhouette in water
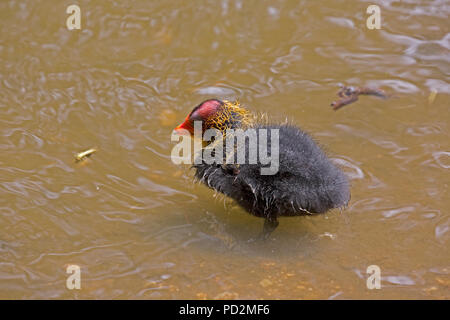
[306,181]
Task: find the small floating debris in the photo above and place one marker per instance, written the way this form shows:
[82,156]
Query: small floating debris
[349,95]
[329,235]
[432,96]
[85,154]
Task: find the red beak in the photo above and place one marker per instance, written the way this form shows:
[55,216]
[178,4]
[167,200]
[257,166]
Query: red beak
[185,128]
[181,131]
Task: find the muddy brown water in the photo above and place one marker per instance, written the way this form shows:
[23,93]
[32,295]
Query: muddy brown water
[138,226]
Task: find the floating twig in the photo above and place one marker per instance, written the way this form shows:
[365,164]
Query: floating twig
[83,155]
[350,94]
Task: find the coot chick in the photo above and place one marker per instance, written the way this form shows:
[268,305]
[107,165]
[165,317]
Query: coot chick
[306,181]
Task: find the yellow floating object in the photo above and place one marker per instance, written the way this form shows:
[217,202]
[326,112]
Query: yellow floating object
[83,155]
[432,96]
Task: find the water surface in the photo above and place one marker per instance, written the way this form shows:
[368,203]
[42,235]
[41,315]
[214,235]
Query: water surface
[135,222]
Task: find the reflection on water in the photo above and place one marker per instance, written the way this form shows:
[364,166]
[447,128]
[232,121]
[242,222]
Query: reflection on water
[139,227]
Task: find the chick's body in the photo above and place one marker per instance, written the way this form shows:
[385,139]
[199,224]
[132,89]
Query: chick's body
[306,182]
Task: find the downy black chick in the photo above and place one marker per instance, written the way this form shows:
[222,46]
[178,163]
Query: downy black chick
[305,181]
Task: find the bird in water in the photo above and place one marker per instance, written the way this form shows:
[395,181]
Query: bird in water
[305,182]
